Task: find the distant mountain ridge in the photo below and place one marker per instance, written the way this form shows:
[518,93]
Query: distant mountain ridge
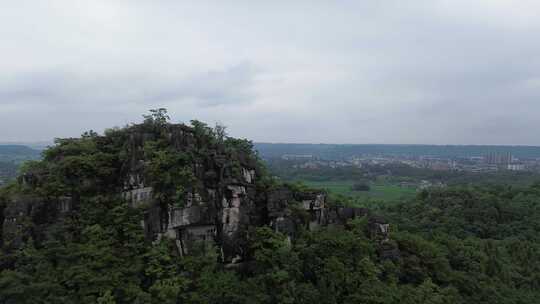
[16,149]
[36,145]
[18,153]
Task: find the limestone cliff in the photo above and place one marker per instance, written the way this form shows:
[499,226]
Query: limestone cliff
[192,184]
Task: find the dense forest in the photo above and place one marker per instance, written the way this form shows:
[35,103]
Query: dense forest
[11,157]
[454,245]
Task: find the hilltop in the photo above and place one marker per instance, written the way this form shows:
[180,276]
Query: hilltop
[161,212]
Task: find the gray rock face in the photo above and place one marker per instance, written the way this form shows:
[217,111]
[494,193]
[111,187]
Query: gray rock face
[219,208]
[194,215]
[27,216]
[222,204]
[340,215]
[138,196]
[199,237]
[379,228]
[17,216]
[388,250]
[277,201]
[249,175]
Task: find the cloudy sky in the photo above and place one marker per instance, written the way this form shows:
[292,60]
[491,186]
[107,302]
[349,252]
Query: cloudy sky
[440,72]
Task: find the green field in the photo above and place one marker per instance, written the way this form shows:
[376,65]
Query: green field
[379,191]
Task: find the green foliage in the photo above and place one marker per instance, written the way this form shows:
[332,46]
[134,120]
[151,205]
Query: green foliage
[482,242]
[203,133]
[157,117]
[17,154]
[170,171]
[83,268]
[456,245]
[361,186]
[8,171]
[221,132]
[107,261]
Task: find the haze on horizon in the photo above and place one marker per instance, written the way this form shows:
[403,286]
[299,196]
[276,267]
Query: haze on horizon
[403,72]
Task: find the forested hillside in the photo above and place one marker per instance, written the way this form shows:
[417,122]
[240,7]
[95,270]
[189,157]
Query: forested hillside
[8,171]
[11,157]
[158,212]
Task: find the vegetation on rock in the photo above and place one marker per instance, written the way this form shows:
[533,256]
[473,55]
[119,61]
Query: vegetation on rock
[456,245]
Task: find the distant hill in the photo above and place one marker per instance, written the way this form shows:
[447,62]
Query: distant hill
[336,152]
[18,153]
[36,145]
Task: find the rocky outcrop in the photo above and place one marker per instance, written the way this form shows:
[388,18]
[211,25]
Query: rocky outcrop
[340,215]
[219,206]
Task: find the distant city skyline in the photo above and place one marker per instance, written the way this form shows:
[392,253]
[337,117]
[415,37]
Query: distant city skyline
[355,72]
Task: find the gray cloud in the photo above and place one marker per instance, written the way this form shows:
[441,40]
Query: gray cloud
[61,87]
[212,88]
[305,71]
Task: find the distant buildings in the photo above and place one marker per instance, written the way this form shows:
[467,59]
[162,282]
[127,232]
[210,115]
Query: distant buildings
[424,184]
[317,164]
[440,166]
[490,162]
[310,165]
[494,158]
[297,156]
[516,167]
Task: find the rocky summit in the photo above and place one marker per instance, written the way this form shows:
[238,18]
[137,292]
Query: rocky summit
[192,184]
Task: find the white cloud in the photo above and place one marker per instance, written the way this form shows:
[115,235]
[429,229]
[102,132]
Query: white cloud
[344,71]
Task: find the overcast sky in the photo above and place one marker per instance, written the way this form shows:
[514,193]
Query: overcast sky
[435,72]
